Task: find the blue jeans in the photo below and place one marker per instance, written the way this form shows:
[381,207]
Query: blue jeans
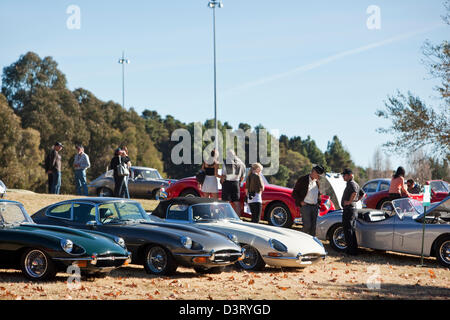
[56,182]
[124,193]
[80,182]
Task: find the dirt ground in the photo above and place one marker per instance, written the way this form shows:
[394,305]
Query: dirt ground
[371,275]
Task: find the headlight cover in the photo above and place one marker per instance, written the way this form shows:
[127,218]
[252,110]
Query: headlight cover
[232,237]
[120,241]
[186,242]
[318,241]
[277,245]
[67,245]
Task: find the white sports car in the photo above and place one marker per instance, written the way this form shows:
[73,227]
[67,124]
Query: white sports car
[263,244]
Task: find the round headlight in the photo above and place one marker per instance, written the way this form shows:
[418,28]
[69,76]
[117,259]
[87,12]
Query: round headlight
[277,245]
[186,242]
[232,237]
[67,245]
[120,241]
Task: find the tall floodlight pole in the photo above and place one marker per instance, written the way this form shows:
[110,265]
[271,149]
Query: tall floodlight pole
[123,61]
[213,4]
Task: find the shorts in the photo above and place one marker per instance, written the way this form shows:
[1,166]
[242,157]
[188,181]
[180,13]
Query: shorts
[231,191]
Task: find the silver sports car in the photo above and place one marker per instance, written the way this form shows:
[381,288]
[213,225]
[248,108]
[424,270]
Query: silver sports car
[263,244]
[143,183]
[395,228]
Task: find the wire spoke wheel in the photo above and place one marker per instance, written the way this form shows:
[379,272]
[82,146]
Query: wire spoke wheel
[278,216]
[338,238]
[157,259]
[444,252]
[36,264]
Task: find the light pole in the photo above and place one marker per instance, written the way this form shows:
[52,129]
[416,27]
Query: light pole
[213,4]
[123,61]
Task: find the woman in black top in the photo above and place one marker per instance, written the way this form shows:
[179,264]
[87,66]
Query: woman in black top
[118,180]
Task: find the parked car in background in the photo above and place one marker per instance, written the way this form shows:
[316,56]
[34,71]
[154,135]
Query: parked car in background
[159,246]
[41,251]
[397,228]
[143,183]
[439,190]
[278,207]
[263,244]
[376,185]
[2,189]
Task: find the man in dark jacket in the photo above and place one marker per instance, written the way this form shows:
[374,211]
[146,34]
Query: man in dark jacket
[352,194]
[53,168]
[307,196]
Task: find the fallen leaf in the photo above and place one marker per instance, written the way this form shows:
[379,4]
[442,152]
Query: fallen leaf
[251,281]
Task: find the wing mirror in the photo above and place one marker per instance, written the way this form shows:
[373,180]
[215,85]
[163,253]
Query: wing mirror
[91,223]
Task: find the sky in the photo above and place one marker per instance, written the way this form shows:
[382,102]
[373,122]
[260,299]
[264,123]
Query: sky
[299,67]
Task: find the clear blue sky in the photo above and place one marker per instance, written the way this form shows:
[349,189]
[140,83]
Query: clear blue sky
[302,67]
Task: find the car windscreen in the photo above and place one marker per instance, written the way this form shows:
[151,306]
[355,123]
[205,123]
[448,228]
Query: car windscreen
[213,212]
[12,214]
[114,212]
[407,207]
[439,186]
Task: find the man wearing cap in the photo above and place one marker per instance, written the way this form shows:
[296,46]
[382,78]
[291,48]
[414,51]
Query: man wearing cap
[53,167]
[352,194]
[80,164]
[307,196]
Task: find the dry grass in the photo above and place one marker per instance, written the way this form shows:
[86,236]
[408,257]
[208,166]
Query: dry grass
[338,277]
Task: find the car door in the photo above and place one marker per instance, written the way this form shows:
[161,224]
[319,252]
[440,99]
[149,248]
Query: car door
[375,235]
[82,213]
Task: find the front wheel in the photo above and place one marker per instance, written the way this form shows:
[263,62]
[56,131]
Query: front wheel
[337,238]
[37,265]
[159,261]
[279,215]
[443,252]
[252,259]
[189,193]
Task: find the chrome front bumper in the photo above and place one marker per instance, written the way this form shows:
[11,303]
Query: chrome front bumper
[213,258]
[301,260]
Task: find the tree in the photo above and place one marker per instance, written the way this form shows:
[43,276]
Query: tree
[414,124]
[337,157]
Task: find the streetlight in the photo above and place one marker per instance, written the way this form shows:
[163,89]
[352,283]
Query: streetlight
[213,4]
[123,61]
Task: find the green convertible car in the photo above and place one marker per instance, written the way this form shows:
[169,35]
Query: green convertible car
[40,251]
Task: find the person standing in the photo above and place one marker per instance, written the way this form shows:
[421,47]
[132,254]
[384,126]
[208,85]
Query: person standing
[397,187]
[352,194]
[118,179]
[55,167]
[80,164]
[210,186]
[126,159]
[254,189]
[306,193]
[233,173]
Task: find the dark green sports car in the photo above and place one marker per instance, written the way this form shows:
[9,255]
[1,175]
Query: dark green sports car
[159,246]
[40,251]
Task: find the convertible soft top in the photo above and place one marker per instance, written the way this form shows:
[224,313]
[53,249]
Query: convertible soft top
[161,209]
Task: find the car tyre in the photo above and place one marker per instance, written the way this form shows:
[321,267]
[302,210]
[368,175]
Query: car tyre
[214,270]
[36,265]
[252,261]
[336,238]
[279,215]
[189,193]
[159,261]
[382,202]
[443,252]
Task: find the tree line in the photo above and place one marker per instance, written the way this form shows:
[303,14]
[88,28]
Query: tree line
[37,109]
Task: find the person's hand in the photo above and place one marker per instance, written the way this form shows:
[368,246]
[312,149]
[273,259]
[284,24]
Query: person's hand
[303,203]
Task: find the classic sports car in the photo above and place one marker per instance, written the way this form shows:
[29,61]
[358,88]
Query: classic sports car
[376,185]
[375,200]
[278,209]
[159,246]
[143,183]
[40,251]
[398,229]
[263,244]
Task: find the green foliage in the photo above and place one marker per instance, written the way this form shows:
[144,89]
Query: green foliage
[337,157]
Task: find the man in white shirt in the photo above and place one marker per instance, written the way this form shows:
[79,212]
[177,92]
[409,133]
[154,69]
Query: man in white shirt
[80,164]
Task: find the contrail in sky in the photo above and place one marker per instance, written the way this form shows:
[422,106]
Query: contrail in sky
[329,59]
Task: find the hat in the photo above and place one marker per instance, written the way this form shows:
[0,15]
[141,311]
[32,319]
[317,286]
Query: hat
[347,171]
[319,169]
[59,144]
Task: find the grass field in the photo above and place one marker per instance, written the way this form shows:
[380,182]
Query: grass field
[337,277]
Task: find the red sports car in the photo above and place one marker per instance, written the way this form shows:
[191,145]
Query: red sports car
[439,190]
[278,207]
